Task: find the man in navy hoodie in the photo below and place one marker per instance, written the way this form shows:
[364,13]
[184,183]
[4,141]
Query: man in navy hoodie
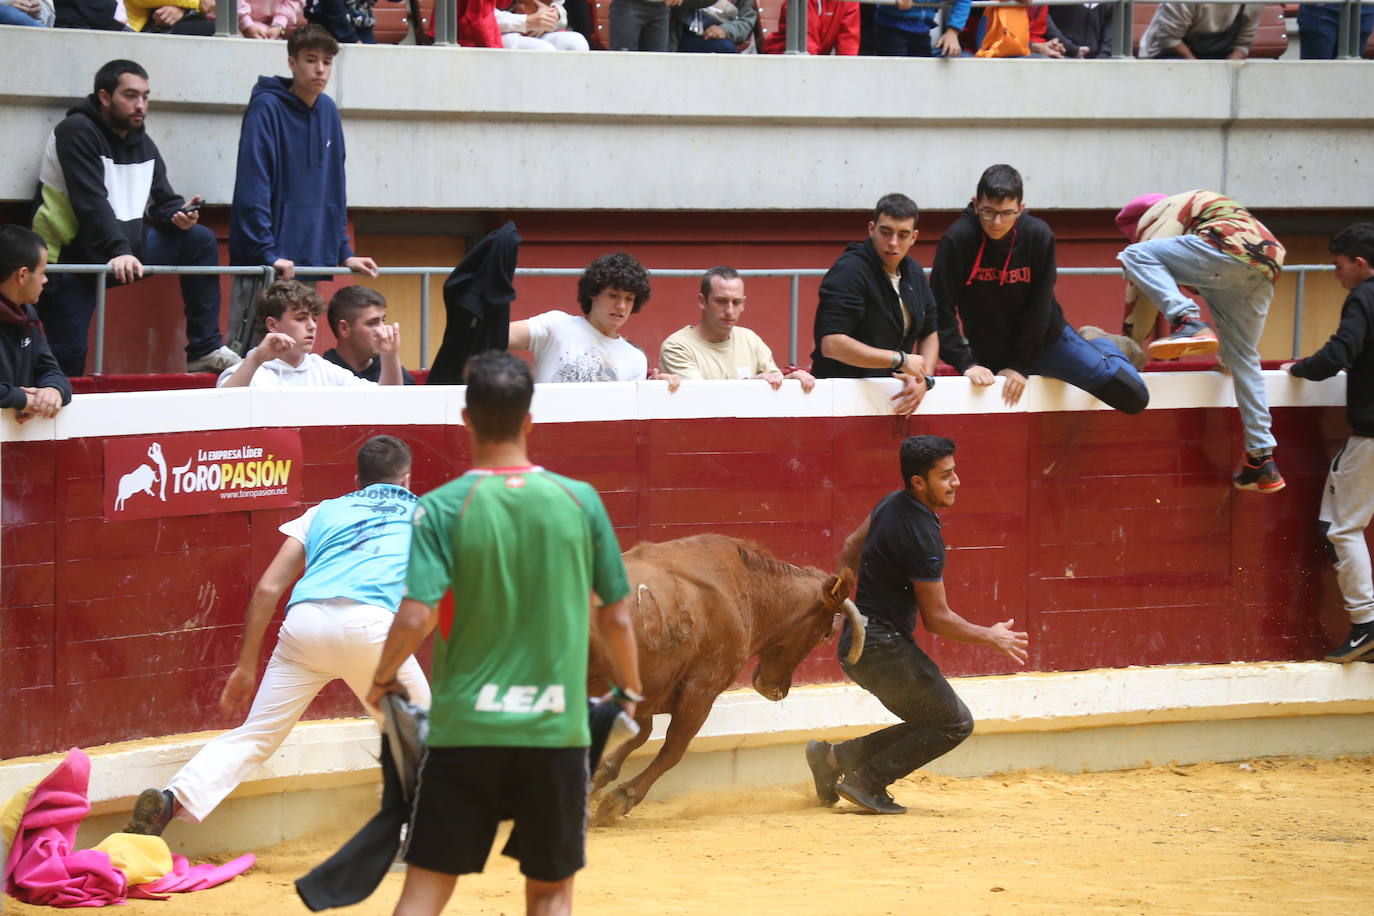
[30,381]
[290,200]
[104,198]
[994,274]
[1348,498]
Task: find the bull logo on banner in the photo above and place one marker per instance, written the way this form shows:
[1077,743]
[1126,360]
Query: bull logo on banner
[142,478]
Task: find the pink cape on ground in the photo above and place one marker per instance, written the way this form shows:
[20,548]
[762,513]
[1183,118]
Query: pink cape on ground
[43,869]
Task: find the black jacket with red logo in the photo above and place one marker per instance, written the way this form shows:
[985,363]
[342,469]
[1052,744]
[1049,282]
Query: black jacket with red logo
[1002,291]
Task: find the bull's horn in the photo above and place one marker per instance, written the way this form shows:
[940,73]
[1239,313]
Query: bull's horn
[856,630]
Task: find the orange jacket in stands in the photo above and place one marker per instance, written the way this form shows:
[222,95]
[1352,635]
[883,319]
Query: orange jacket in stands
[832,26]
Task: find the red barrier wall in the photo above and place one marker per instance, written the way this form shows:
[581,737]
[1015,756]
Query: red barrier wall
[1114,540]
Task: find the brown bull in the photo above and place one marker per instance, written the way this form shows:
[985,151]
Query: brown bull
[703,606]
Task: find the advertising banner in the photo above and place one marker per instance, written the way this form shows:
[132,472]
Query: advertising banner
[198,473]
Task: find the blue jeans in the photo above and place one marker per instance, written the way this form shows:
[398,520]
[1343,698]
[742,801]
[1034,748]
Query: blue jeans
[1239,298]
[1098,367]
[889,41]
[68,301]
[934,720]
[692,43]
[11,16]
[1318,25]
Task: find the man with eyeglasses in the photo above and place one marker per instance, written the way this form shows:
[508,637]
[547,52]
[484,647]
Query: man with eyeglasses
[994,274]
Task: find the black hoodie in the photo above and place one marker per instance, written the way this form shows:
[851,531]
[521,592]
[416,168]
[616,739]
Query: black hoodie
[84,221]
[1351,348]
[26,361]
[1001,290]
[857,300]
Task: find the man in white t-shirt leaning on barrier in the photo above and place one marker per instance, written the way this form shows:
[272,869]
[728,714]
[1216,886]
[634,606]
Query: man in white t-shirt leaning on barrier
[718,348]
[589,347]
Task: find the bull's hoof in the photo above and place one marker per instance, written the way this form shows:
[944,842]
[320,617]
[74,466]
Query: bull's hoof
[602,778]
[612,808]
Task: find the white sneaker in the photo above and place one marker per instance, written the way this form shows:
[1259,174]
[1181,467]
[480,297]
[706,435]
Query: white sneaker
[214,361]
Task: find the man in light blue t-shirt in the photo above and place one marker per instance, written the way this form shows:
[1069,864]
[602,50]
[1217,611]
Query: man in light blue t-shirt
[354,550]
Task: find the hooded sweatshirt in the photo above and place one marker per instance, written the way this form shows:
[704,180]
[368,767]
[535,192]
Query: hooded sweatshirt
[1351,348]
[289,194]
[96,188]
[1001,290]
[25,360]
[857,299]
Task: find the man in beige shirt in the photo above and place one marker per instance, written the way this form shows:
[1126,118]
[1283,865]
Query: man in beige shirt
[718,348]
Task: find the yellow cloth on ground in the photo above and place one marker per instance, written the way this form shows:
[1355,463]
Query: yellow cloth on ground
[13,812]
[141,858]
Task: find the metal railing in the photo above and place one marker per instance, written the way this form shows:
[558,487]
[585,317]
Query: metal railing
[794,275]
[1348,45]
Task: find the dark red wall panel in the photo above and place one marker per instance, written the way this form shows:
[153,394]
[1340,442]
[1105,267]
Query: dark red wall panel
[1112,540]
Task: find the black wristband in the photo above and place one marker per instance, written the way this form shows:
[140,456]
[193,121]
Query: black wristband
[930,381]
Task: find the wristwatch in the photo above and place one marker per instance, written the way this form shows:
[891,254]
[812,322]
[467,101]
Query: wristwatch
[930,382]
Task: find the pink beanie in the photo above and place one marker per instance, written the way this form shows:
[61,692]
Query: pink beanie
[1129,217]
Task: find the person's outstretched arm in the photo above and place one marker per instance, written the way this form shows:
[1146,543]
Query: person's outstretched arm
[283,570]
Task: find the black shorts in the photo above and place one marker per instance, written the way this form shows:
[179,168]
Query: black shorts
[465,792]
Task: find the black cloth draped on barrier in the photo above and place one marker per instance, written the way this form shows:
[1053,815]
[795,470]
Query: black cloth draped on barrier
[477,298]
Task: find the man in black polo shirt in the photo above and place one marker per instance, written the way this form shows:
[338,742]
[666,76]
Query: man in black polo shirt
[902,571]
[877,317]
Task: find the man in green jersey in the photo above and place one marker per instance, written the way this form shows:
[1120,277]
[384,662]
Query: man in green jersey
[522,550]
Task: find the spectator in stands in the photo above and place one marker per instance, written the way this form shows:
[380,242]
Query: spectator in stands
[1348,497]
[287,314]
[994,275]
[904,30]
[290,200]
[104,198]
[832,27]
[31,382]
[104,15]
[1015,30]
[718,348]
[875,307]
[176,17]
[1198,31]
[27,12]
[1085,30]
[1209,242]
[1319,29]
[532,25]
[267,18]
[640,25]
[349,21]
[357,316]
[589,347]
[712,26]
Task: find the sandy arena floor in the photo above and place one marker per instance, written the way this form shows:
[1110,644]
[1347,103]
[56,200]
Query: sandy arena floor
[1261,837]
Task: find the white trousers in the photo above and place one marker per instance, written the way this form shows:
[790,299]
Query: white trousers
[319,641]
[1347,506]
[549,41]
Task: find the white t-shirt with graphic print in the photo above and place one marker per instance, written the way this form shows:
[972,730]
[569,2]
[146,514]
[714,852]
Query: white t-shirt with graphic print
[568,349]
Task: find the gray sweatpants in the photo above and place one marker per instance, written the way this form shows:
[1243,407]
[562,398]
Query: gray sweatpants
[1347,506]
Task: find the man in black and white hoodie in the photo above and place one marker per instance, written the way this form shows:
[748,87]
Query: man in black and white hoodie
[104,198]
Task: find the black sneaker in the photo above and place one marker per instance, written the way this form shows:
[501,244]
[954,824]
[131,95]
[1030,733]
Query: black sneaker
[1359,644]
[1189,336]
[1262,476]
[152,812]
[825,775]
[873,801]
